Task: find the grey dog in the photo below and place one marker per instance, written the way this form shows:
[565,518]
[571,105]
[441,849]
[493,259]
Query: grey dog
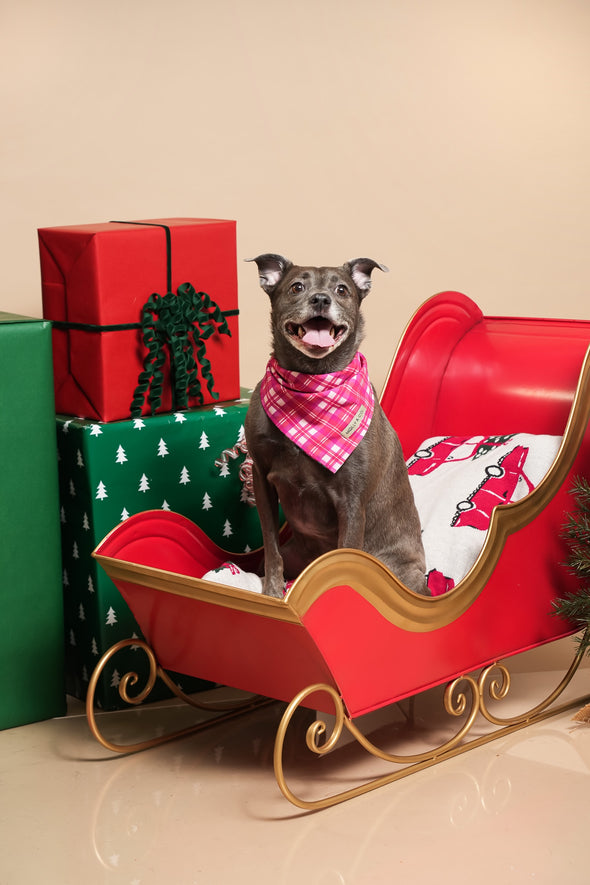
[367,503]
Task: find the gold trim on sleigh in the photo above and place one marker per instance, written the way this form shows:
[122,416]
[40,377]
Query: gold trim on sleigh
[400,606]
[225,710]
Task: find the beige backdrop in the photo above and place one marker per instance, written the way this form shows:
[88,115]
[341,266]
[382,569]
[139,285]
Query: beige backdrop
[448,139]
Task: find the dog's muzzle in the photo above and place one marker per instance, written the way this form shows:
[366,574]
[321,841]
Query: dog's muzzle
[317,332]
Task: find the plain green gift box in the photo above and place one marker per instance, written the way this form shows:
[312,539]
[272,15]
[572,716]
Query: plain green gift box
[31,599]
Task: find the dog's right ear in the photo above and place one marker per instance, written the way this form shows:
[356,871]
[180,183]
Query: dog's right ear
[271,269]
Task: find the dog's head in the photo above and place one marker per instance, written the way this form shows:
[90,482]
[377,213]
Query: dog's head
[315,311]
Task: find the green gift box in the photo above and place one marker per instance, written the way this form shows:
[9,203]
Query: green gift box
[109,471]
[31,648]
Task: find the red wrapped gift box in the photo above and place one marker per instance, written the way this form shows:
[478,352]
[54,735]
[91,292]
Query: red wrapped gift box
[100,280]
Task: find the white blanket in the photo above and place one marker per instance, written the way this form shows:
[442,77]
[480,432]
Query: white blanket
[457,481]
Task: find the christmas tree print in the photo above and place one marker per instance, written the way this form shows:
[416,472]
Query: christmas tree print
[165,455]
[184,476]
[162,449]
[219,411]
[179,417]
[72,638]
[115,679]
[224,469]
[95,430]
[81,613]
[75,553]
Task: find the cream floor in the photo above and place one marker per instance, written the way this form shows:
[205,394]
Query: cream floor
[206,808]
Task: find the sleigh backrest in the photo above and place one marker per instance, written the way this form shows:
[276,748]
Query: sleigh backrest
[459,372]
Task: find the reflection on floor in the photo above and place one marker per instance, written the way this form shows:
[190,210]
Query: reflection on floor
[207,809]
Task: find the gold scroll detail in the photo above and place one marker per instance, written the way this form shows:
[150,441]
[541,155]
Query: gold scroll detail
[464,697]
[226,710]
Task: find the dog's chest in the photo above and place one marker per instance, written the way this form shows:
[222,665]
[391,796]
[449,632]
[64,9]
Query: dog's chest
[308,492]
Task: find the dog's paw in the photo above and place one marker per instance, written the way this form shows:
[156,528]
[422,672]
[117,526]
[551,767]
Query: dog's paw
[273,588]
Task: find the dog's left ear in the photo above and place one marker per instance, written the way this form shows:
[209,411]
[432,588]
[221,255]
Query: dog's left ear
[360,270]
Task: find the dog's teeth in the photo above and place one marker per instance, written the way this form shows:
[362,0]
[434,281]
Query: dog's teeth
[300,331]
[333,331]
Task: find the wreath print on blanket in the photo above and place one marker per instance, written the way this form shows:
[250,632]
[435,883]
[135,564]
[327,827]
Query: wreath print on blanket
[458,480]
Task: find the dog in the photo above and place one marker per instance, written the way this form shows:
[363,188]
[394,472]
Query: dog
[318,438]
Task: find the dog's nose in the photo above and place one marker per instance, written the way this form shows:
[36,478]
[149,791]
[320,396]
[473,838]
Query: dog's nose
[320,300]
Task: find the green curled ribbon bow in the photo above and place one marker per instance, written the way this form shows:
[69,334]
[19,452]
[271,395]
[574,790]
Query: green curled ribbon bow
[179,323]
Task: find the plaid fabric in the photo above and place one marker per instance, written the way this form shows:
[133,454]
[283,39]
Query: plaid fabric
[324,415]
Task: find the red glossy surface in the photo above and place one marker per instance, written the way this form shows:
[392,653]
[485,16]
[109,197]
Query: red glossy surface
[190,635]
[459,372]
[455,372]
[376,663]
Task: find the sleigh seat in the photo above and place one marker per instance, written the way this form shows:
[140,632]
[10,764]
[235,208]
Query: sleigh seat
[348,638]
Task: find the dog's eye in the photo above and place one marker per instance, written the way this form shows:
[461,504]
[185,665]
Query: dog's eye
[341,290]
[296,288]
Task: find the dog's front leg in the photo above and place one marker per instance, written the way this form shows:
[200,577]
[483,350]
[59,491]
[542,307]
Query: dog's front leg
[267,504]
[351,524]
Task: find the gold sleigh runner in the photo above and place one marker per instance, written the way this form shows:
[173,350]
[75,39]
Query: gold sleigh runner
[348,639]
[466,697]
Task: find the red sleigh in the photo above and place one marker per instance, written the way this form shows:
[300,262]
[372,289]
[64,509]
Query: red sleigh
[348,638]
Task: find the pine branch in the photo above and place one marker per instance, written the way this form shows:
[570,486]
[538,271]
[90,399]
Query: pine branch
[577,527]
[580,490]
[575,607]
[579,561]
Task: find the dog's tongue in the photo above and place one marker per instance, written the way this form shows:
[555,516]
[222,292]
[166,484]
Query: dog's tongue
[317,333]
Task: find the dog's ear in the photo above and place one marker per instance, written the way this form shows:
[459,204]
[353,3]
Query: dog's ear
[360,270]
[271,269]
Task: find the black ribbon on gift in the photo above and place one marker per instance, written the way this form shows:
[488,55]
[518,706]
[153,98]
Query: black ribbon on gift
[176,322]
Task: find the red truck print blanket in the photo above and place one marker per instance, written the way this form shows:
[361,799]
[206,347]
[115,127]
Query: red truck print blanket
[457,481]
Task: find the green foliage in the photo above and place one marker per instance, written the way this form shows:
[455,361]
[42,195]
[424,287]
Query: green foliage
[575,607]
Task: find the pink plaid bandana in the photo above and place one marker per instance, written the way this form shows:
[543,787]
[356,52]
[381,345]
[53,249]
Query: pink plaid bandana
[325,415]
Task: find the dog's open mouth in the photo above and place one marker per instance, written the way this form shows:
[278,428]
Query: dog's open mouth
[317,332]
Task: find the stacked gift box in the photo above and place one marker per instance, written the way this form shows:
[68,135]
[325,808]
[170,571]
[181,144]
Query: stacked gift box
[32,646]
[145,362]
